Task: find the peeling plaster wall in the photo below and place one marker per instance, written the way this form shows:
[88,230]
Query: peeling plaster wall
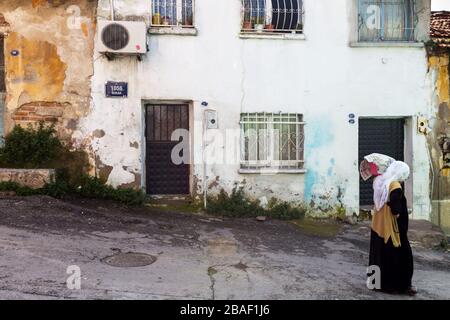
[439,72]
[49,79]
[439,66]
[321,77]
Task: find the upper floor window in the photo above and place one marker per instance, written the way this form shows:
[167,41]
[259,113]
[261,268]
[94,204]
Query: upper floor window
[282,16]
[173,13]
[386,20]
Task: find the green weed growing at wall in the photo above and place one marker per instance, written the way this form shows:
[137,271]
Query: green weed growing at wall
[237,204]
[39,147]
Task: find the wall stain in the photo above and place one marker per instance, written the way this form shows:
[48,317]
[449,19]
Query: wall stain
[319,136]
[134,145]
[439,69]
[85,29]
[132,185]
[37,70]
[37,3]
[99,133]
[440,65]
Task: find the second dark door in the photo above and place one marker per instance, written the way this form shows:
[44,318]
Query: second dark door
[384,136]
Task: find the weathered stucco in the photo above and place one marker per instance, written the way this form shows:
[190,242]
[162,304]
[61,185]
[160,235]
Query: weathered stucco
[49,48]
[322,77]
[439,66]
[54,74]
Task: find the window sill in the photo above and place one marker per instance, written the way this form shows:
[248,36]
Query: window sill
[386,44]
[180,31]
[272,35]
[272,171]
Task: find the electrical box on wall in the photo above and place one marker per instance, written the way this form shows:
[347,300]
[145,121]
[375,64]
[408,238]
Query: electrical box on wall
[422,125]
[211,119]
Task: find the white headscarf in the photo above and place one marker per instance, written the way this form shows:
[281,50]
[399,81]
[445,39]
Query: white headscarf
[380,160]
[397,171]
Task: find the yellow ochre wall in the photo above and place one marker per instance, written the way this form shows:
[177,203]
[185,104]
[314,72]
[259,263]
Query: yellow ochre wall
[48,53]
[439,69]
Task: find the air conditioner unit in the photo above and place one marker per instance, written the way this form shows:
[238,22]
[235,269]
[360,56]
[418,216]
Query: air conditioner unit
[122,37]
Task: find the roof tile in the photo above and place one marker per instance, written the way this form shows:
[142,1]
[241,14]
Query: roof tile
[440,28]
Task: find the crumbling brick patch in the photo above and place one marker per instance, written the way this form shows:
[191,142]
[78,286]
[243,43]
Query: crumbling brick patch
[39,111]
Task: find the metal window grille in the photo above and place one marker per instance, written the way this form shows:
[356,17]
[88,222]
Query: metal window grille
[272,140]
[282,16]
[386,20]
[173,13]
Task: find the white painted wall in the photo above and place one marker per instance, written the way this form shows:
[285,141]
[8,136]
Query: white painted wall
[437,5]
[322,77]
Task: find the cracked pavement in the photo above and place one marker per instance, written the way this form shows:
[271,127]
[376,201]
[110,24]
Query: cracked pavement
[198,257]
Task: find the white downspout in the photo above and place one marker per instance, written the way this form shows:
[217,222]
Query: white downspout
[205,185]
[205,145]
[205,171]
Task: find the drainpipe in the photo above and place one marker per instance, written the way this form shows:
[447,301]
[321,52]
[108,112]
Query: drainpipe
[430,160]
[111,5]
[439,195]
[205,145]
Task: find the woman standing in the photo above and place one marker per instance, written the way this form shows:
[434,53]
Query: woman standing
[389,245]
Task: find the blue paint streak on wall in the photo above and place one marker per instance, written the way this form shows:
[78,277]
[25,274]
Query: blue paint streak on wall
[330,169]
[318,135]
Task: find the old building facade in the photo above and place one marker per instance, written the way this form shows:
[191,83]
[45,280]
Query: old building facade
[283,97]
[342,86]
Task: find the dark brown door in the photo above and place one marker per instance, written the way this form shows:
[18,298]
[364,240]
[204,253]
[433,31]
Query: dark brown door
[164,177]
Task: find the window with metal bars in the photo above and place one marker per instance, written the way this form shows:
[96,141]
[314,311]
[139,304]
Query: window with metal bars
[282,16]
[272,141]
[2,85]
[173,13]
[386,20]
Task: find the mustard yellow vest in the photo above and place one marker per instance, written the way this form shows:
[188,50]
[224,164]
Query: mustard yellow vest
[384,223]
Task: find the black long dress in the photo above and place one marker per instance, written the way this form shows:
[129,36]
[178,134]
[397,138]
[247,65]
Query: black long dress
[396,264]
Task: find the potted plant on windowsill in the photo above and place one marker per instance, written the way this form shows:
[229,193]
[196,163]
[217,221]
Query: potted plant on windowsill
[189,21]
[247,25]
[156,19]
[259,25]
[165,21]
[268,27]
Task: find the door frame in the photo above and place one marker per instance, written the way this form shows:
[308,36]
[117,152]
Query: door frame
[407,152]
[190,105]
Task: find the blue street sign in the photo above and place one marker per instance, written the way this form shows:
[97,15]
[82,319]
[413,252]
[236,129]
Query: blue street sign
[116,89]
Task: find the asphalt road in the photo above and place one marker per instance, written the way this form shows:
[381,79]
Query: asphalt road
[191,256]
